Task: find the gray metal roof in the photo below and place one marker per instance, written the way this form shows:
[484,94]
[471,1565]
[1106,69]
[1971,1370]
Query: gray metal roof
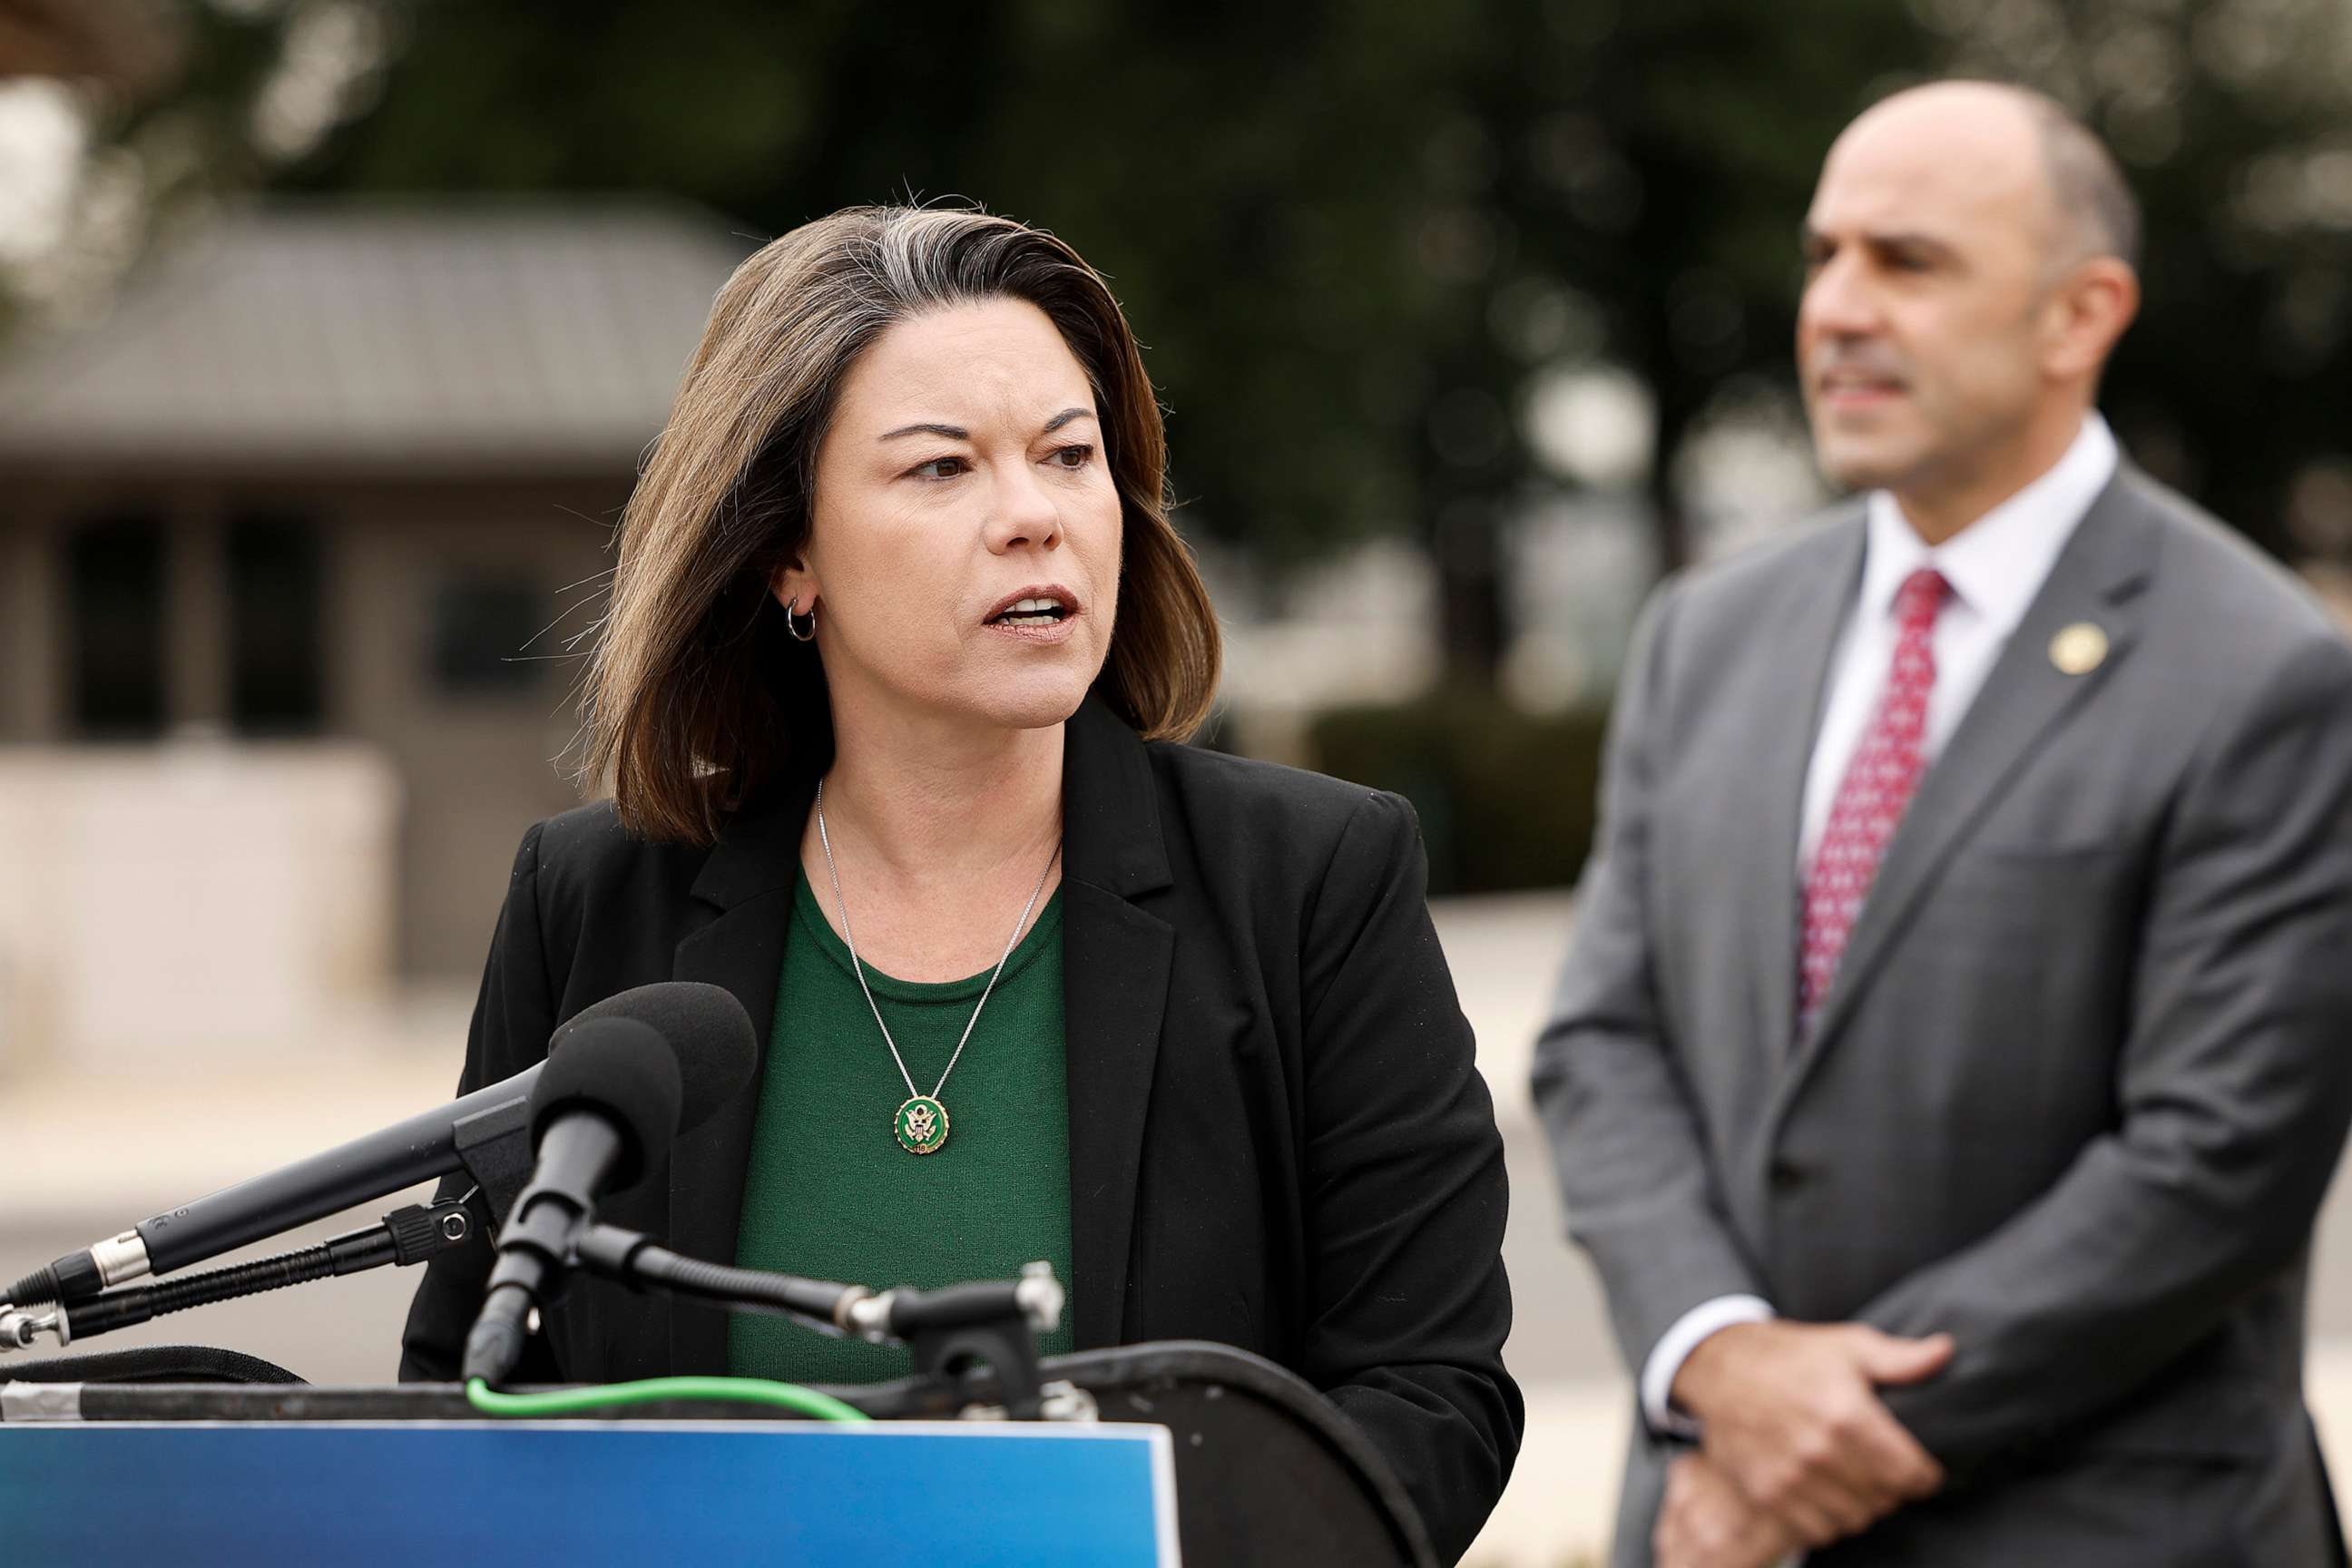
[472,337]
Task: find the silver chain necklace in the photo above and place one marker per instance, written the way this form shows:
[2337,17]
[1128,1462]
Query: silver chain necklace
[921,1124]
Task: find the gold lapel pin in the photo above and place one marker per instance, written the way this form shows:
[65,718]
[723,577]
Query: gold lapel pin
[2079,648]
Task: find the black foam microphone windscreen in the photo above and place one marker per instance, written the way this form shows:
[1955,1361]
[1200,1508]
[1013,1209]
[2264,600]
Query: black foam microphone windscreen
[708,1031]
[624,1072]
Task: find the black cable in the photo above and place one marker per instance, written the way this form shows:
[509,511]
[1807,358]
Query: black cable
[405,1235]
[627,1257]
[815,1304]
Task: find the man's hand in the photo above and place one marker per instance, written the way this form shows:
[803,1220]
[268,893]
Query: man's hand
[1707,1521]
[1792,1414]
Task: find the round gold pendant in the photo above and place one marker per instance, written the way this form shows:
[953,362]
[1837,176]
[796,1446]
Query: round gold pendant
[921,1125]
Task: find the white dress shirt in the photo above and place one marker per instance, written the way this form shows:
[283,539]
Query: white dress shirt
[1996,565]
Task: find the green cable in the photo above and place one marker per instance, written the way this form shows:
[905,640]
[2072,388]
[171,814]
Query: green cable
[748,1390]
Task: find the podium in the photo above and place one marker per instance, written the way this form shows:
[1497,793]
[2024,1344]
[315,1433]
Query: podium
[398,1494]
[1200,1453]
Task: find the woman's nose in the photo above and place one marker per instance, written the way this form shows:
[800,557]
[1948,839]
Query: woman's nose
[1025,514]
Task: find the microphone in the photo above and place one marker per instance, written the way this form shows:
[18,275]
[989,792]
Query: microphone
[602,1115]
[423,1146]
[706,1028]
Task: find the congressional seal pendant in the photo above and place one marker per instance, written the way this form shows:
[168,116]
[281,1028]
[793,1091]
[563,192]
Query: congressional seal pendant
[921,1125]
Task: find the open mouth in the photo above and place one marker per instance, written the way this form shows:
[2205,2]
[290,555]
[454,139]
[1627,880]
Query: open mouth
[1049,608]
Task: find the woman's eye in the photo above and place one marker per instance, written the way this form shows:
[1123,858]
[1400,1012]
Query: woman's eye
[941,468]
[1076,456]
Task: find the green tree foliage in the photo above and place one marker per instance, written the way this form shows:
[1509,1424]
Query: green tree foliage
[1350,232]
[1347,231]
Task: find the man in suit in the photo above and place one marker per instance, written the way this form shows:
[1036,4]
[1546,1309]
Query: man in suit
[1957,1038]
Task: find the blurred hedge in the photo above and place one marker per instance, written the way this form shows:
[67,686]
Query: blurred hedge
[1506,797]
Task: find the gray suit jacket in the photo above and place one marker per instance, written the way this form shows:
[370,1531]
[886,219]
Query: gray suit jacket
[2079,1085]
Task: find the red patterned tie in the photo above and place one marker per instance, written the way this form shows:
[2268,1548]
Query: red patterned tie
[1879,781]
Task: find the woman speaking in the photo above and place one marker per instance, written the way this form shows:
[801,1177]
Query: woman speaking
[889,700]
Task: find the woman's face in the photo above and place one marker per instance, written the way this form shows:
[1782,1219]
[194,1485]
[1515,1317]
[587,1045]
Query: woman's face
[963,556]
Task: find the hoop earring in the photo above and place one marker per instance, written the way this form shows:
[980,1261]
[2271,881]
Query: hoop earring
[792,625]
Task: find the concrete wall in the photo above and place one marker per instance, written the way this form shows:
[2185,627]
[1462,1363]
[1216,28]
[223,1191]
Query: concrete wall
[184,907]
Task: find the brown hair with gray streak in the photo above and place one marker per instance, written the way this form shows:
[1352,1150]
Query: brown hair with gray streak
[695,700]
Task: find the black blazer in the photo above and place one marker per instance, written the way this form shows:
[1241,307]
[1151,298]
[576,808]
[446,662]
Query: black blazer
[1278,1137]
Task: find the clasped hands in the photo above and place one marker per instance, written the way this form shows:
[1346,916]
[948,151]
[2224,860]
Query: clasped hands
[1800,1451]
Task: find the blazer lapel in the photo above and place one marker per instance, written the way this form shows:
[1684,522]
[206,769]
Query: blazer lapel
[1788,713]
[1116,960]
[749,879]
[1115,964]
[2024,696]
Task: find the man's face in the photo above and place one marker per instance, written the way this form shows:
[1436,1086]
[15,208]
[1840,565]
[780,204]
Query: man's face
[1921,334]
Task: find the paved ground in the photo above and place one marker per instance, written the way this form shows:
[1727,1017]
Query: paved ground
[81,1159]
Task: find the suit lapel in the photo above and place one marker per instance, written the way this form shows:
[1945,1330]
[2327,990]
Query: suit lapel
[1795,680]
[2025,697]
[749,879]
[1115,965]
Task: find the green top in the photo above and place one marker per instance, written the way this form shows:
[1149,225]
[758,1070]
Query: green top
[830,1195]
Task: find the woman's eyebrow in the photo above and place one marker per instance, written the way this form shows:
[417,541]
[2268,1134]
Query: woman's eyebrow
[957,433]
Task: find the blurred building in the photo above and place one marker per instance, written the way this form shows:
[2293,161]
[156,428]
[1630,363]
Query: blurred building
[328,492]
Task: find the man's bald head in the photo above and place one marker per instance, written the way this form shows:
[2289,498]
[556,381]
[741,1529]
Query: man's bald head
[1969,255]
[2090,206]
[2094,203]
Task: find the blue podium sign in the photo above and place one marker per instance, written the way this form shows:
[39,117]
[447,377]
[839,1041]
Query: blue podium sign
[588,1493]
